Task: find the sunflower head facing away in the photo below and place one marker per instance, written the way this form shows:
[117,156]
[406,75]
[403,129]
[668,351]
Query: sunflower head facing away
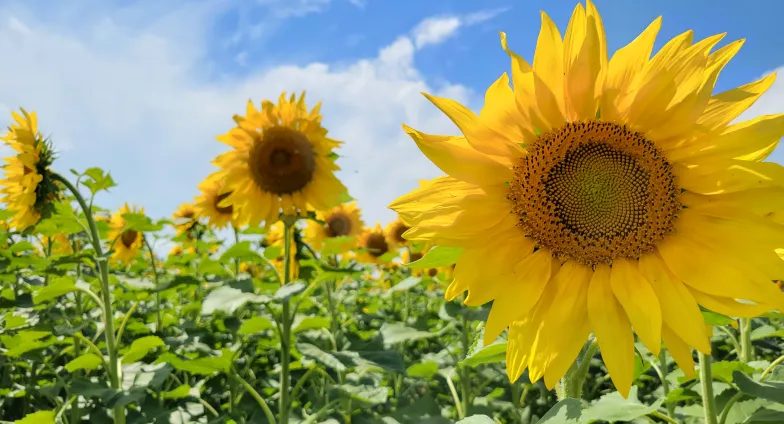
[394,233]
[624,194]
[282,162]
[342,221]
[28,188]
[373,245]
[126,243]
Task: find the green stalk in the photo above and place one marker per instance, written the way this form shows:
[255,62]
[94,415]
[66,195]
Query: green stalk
[665,383]
[75,409]
[746,350]
[108,310]
[706,381]
[571,385]
[286,321]
[158,316]
[236,260]
[465,383]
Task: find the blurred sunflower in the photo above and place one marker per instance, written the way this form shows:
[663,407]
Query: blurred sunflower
[28,188]
[623,194]
[176,250]
[394,233]
[61,244]
[373,244]
[126,243]
[185,219]
[341,221]
[209,204]
[274,239]
[282,162]
[250,269]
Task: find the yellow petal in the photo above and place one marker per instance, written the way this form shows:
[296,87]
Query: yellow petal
[724,107]
[680,351]
[521,293]
[500,114]
[548,74]
[679,310]
[613,330]
[582,66]
[728,306]
[715,176]
[639,301]
[738,140]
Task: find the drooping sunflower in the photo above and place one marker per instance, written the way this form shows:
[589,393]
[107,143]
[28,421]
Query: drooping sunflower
[341,221]
[185,219]
[282,162]
[373,245]
[394,233]
[126,243]
[624,197]
[274,239]
[28,188]
[209,204]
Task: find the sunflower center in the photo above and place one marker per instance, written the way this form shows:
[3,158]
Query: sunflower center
[225,210]
[398,233]
[338,225]
[128,237]
[282,160]
[415,257]
[594,191]
[376,245]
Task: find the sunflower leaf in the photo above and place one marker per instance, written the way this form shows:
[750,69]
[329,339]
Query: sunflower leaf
[437,257]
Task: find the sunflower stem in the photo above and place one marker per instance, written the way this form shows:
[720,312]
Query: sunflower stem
[286,321]
[158,316]
[665,383]
[108,308]
[572,383]
[746,350]
[706,381]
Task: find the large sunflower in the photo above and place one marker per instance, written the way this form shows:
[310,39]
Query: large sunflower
[28,189]
[623,195]
[209,204]
[341,221]
[282,162]
[373,245]
[126,243]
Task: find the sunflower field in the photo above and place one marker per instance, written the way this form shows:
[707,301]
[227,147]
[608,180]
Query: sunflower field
[605,246]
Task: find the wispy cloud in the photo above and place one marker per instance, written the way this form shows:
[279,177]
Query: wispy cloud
[437,29]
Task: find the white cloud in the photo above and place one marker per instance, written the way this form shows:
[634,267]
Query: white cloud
[141,98]
[358,3]
[437,29]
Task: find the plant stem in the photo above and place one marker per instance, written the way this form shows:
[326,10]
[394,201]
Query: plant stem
[465,384]
[236,260]
[255,395]
[665,383]
[286,321]
[572,382]
[706,381]
[158,316]
[746,350]
[108,310]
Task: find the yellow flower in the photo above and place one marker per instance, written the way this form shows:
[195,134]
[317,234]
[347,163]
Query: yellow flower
[209,204]
[373,244]
[127,243]
[28,189]
[251,269]
[185,218]
[274,239]
[394,233]
[342,221]
[601,196]
[282,162]
[61,245]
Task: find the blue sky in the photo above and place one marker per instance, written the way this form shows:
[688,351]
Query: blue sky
[142,88]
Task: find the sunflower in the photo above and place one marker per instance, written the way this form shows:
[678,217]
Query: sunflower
[176,250]
[185,219]
[126,243]
[374,245]
[209,204]
[274,239]
[28,189]
[341,221]
[61,244]
[282,162]
[394,233]
[624,197]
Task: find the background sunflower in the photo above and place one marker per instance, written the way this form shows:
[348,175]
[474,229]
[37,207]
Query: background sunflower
[126,243]
[343,221]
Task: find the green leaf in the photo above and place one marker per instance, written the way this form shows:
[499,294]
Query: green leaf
[141,347]
[437,257]
[202,366]
[476,419]
[725,370]
[288,290]
[422,370]
[369,395]
[39,417]
[255,325]
[228,299]
[614,408]
[241,251]
[140,222]
[323,358]
[310,323]
[99,180]
[88,361]
[178,393]
[765,415]
[713,318]
[21,246]
[566,411]
[56,288]
[394,333]
[493,353]
[773,391]
[273,252]
[405,284]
